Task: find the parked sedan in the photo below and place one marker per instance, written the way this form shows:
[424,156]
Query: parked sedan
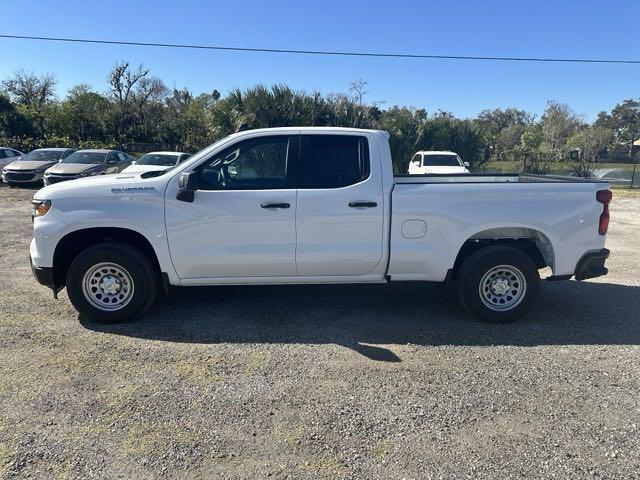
[156,162]
[30,168]
[86,163]
[8,155]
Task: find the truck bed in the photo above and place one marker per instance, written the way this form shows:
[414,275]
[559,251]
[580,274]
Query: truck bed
[491,178]
[435,215]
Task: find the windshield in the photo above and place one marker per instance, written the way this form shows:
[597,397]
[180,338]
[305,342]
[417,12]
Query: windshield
[42,156]
[444,160]
[195,157]
[158,159]
[206,150]
[85,157]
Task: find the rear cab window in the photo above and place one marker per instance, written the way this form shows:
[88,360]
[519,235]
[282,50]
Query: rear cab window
[333,161]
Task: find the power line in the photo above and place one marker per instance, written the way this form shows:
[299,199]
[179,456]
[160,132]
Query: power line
[324,52]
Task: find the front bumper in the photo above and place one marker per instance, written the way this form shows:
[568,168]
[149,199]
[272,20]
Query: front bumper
[591,265]
[51,179]
[44,275]
[22,176]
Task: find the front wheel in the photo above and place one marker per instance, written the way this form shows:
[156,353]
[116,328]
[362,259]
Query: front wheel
[111,282]
[498,284]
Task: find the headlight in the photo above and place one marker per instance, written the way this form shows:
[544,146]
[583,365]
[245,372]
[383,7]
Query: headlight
[40,207]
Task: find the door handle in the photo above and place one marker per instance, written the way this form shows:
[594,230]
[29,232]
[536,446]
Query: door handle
[275,205]
[363,204]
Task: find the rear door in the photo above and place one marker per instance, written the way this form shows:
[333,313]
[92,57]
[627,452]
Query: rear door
[241,222]
[339,220]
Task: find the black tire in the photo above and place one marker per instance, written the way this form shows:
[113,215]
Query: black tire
[136,270]
[510,284]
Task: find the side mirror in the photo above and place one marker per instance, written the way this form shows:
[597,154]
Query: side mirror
[133,162]
[466,164]
[416,163]
[187,186]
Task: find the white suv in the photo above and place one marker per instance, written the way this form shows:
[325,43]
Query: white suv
[427,162]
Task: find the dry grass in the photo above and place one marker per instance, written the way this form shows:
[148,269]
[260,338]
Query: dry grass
[625,192]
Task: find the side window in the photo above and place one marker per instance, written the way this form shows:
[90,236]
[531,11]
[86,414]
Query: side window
[3,153]
[255,164]
[333,161]
[416,158]
[183,157]
[122,157]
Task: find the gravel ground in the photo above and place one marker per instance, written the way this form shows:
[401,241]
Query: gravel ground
[320,382]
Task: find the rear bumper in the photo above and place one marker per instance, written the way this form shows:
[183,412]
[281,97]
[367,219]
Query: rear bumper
[591,265]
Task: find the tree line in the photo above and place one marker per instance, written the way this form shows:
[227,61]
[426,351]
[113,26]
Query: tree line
[138,111]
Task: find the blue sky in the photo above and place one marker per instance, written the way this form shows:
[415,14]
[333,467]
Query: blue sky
[567,28]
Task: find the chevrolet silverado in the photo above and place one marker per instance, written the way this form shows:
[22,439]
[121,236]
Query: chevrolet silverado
[313,205]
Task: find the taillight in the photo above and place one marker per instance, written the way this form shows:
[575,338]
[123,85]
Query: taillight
[604,197]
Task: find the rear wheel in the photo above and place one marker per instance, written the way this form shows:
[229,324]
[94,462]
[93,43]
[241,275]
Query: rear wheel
[112,282]
[498,284]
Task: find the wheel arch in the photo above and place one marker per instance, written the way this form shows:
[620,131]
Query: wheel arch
[532,242]
[73,243]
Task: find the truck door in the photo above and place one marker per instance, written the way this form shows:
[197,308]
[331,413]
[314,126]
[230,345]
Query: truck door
[339,221]
[241,222]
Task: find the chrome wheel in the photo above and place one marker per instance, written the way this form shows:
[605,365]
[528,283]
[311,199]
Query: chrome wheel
[502,288]
[107,286]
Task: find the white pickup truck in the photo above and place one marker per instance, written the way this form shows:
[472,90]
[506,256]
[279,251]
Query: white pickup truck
[313,205]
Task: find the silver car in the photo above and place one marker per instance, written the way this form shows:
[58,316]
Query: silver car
[30,168]
[86,163]
[8,155]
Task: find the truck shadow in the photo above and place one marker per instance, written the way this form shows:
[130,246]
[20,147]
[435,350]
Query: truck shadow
[365,317]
